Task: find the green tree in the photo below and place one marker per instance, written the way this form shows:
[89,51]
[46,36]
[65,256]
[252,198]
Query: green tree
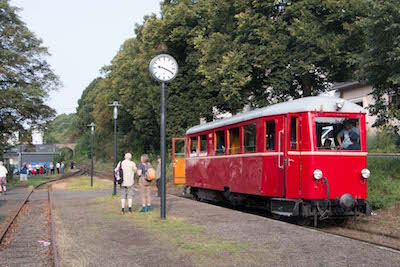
[25,76]
[381,60]
[61,130]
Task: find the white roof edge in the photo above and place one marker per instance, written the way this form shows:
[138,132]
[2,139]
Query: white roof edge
[305,104]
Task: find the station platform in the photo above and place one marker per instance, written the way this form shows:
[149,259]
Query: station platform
[91,232]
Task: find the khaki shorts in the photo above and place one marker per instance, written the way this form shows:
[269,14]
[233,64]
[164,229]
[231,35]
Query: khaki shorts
[3,180]
[127,192]
[23,177]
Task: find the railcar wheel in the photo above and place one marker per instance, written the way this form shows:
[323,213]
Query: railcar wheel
[303,221]
[341,221]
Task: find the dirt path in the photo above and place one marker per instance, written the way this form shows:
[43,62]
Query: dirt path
[85,237]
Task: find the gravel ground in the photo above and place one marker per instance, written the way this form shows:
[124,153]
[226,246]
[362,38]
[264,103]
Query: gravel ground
[21,246]
[85,237]
[286,244]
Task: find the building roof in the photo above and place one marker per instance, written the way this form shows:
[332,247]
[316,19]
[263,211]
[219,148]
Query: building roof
[312,103]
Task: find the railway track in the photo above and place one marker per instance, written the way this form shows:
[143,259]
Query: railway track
[28,239]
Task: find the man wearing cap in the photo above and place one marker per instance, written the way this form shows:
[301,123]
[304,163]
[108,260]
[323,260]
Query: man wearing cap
[158,176]
[355,145]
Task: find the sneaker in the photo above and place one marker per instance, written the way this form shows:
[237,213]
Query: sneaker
[143,209]
[122,213]
[148,208]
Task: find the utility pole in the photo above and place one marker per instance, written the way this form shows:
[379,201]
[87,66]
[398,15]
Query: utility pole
[92,125]
[115,106]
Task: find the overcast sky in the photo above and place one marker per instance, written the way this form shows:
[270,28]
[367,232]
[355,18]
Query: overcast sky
[82,36]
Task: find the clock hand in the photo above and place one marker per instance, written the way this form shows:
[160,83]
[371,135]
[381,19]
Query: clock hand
[160,67]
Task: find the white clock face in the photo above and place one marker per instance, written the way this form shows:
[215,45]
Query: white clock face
[163,68]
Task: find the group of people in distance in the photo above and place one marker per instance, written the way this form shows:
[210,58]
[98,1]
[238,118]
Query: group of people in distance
[129,170]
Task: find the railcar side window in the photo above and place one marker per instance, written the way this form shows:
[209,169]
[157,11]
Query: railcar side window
[249,132]
[294,135]
[337,134]
[270,135]
[220,142]
[203,145]
[193,146]
[234,141]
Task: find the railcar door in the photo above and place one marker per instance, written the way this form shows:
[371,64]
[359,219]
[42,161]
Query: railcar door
[293,156]
[178,161]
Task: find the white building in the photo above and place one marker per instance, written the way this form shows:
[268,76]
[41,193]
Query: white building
[37,137]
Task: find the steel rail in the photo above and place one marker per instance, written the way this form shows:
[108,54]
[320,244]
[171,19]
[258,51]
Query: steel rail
[7,227]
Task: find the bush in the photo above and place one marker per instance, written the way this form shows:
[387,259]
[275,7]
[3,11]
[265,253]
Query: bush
[384,141]
[384,183]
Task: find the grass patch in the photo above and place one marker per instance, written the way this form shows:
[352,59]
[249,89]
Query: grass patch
[191,239]
[384,183]
[32,180]
[83,184]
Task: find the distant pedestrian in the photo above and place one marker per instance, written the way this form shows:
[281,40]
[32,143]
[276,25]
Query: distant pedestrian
[143,183]
[62,167]
[23,175]
[72,164]
[46,170]
[3,178]
[127,191]
[158,176]
[58,167]
[41,170]
[51,168]
[37,169]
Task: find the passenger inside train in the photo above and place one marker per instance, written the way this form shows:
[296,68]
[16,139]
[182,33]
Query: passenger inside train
[334,134]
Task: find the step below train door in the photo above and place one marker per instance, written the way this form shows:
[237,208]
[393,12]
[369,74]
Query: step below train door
[178,161]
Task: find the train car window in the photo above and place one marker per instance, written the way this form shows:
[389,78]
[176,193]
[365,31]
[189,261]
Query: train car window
[337,134]
[203,145]
[193,146]
[270,135]
[294,135]
[249,137]
[234,141]
[220,142]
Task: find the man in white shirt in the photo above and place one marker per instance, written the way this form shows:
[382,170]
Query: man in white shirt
[128,172]
[3,178]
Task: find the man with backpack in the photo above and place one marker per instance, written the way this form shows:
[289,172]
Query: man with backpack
[125,171]
[146,174]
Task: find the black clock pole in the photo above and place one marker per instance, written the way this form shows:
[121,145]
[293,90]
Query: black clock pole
[163,152]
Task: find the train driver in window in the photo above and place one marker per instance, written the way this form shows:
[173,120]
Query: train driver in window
[345,134]
[355,145]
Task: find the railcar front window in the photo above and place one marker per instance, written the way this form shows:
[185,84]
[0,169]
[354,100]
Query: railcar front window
[203,145]
[193,146]
[249,132]
[270,135]
[337,134]
[220,142]
[234,141]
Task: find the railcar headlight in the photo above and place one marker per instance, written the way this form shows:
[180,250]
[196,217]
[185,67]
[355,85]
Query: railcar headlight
[317,174]
[339,104]
[365,173]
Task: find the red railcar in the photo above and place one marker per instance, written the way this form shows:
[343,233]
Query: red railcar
[304,158]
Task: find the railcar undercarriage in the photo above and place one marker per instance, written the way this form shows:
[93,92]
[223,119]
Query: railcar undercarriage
[304,211]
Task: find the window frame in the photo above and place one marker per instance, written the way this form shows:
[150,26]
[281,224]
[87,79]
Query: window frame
[297,117]
[216,142]
[191,155]
[199,151]
[265,134]
[228,149]
[243,149]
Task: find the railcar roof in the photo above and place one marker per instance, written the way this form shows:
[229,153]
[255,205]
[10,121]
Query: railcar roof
[311,103]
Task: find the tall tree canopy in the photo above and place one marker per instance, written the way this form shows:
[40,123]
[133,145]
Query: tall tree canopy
[381,59]
[25,76]
[230,53]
